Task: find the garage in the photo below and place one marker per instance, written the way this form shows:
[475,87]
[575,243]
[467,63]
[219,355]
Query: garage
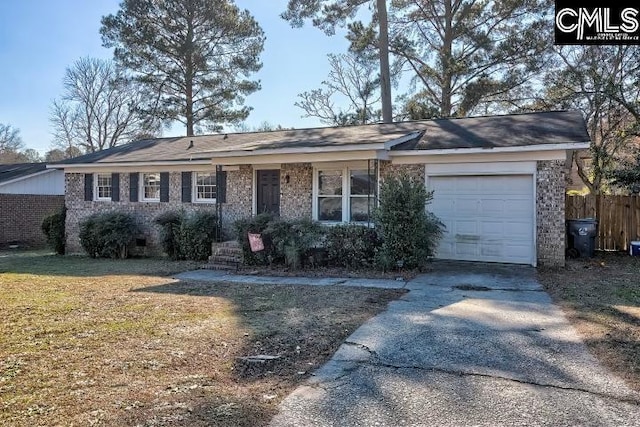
[488,218]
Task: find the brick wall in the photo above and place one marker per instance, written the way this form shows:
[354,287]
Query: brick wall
[21,217]
[550,218]
[296,195]
[416,171]
[239,193]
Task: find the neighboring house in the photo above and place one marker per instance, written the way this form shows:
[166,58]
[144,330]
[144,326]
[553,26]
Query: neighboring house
[499,182]
[28,193]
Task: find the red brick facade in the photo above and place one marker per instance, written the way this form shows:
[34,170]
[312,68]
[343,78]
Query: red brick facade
[21,218]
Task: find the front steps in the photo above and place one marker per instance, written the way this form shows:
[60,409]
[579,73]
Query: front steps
[225,256]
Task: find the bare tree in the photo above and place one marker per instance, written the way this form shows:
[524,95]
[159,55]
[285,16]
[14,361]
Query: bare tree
[329,14]
[57,154]
[101,107]
[604,83]
[10,138]
[352,79]
[11,145]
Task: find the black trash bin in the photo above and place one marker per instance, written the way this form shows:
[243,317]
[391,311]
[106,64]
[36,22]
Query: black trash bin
[582,236]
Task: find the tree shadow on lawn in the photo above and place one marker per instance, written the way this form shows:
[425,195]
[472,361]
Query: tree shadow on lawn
[305,325]
[302,326]
[42,263]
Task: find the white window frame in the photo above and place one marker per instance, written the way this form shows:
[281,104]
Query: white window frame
[194,188]
[346,190]
[96,187]
[142,185]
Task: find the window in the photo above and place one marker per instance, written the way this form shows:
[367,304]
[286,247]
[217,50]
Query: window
[102,188]
[344,195]
[361,196]
[150,187]
[204,187]
[330,195]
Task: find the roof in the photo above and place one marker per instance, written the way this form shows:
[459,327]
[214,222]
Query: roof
[473,132]
[15,171]
[551,127]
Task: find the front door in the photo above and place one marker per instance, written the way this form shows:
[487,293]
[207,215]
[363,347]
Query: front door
[268,191]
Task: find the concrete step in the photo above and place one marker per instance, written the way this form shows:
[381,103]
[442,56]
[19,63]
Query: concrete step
[225,259]
[227,252]
[226,267]
[227,244]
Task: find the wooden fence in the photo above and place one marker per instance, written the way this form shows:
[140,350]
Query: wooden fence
[618,218]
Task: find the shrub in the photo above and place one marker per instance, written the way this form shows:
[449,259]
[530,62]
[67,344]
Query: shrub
[285,241]
[53,228]
[169,223]
[108,234]
[257,225]
[187,236]
[410,233]
[352,246]
[197,233]
[293,240]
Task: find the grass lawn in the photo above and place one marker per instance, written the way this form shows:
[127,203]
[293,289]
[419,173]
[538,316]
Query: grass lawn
[101,342]
[602,299]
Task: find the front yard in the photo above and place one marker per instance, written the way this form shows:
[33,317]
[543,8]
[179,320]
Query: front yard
[601,297]
[101,342]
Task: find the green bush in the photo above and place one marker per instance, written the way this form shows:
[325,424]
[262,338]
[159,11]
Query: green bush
[169,223]
[410,234]
[108,234]
[293,240]
[197,233]
[285,241]
[257,225]
[53,228]
[352,246]
[187,236]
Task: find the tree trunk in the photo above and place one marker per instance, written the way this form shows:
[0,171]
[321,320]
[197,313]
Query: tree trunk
[385,78]
[446,61]
[189,71]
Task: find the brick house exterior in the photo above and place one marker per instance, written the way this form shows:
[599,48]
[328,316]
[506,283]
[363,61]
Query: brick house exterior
[340,157]
[28,193]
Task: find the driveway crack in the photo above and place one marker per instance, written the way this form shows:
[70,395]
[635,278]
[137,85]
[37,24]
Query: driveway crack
[631,400]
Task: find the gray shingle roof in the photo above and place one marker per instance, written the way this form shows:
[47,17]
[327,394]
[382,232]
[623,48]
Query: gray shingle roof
[13,171]
[483,132]
[553,127]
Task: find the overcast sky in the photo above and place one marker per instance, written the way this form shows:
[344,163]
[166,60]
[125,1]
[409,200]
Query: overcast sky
[40,38]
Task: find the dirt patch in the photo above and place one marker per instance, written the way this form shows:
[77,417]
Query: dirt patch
[601,298]
[127,347]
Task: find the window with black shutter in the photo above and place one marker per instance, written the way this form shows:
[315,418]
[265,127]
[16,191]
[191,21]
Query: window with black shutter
[164,187]
[88,187]
[115,187]
[133,186]
[186,187]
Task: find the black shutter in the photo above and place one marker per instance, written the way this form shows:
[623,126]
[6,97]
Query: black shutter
[133,187]
[221,187]
[115,187]
[186,187]
[88,187]
[164,186]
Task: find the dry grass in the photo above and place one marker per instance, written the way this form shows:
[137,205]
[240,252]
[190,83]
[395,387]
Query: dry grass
[99,342]
[602,299]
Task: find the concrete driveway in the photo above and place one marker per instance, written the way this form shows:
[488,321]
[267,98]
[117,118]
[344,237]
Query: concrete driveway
[468,345]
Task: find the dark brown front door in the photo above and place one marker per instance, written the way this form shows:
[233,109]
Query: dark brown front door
[268,191]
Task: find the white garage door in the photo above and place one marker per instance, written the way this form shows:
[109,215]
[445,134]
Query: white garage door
[488,218]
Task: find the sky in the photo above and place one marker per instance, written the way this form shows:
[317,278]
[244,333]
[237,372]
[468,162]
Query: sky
[39,39]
